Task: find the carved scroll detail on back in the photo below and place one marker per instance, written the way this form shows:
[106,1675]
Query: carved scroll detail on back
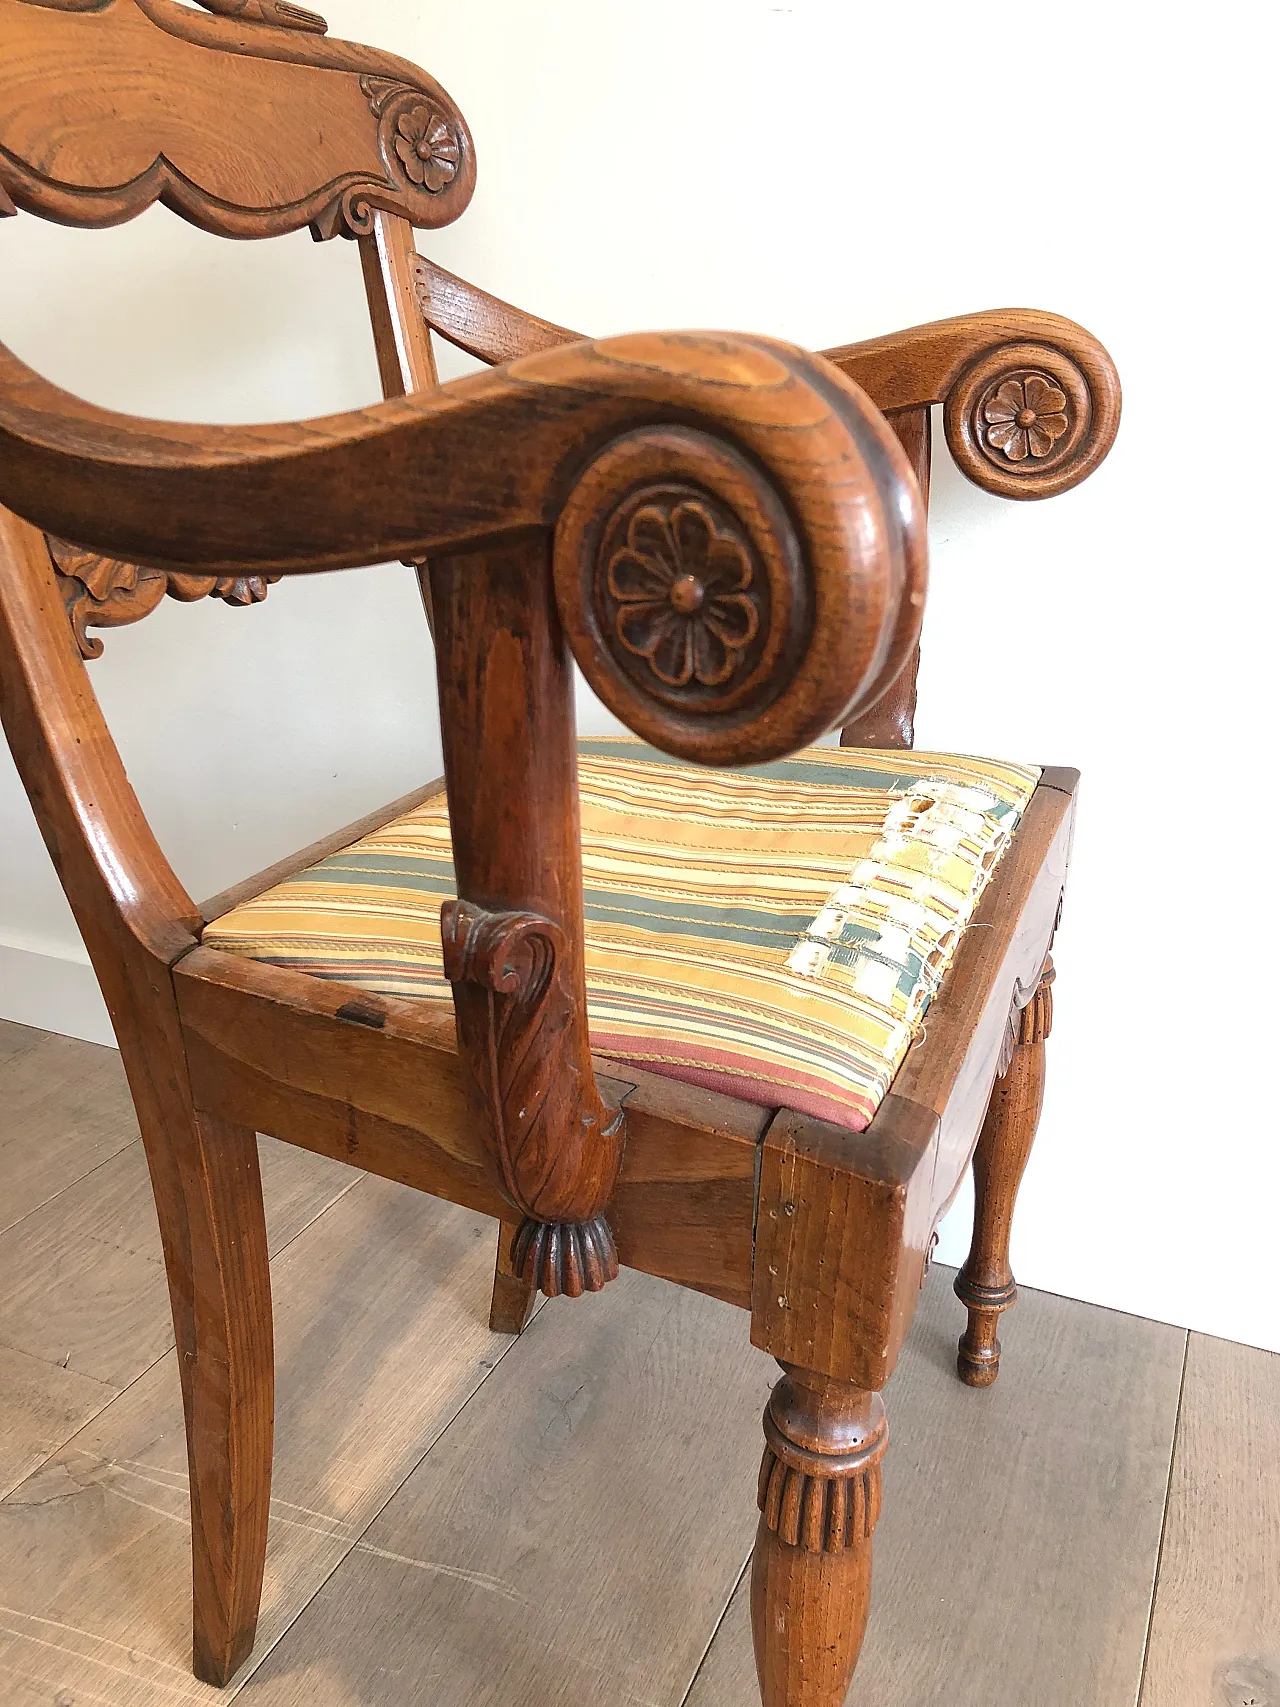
[100,592]
[249,123]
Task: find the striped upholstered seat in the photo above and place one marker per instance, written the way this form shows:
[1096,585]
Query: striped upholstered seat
[777,933]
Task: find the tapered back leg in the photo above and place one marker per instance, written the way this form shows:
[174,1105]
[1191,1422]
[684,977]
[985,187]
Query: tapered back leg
[229,1390]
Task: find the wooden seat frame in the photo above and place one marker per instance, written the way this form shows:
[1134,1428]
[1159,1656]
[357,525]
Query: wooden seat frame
[513,492]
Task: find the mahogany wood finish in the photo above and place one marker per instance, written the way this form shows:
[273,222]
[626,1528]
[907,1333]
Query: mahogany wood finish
[890,722]
[525,498]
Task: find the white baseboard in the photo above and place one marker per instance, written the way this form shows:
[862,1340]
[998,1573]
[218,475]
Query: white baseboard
[54,992]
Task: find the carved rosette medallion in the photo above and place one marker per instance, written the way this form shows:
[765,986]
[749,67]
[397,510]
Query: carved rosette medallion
[682,589]
[679,589]
[554,1139]
[101,592]
[1024,416]
[427,153]
[822,1501]
[1022,422]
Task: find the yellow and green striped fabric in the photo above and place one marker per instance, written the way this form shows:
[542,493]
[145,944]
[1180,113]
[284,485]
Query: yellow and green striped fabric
[776,932]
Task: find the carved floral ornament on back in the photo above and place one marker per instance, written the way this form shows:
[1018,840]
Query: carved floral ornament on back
[100,592]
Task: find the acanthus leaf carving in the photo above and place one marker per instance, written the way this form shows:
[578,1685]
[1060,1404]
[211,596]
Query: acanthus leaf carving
[280,14]
[1030,1016]
[546,1124]
[103,592]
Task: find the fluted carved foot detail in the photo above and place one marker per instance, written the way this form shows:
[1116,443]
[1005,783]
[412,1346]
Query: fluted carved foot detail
[819,1499]
[565,1258]
[811,1500]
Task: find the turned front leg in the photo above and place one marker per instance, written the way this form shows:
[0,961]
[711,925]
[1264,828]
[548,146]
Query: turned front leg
[985,1284]
[819,1500]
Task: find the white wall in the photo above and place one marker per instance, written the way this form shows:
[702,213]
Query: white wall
[824,172]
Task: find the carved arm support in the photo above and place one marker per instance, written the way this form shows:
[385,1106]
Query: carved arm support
[720,529]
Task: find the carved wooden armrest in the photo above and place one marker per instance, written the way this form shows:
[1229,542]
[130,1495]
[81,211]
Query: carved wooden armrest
[723,529]
[1031,401]
[790,494]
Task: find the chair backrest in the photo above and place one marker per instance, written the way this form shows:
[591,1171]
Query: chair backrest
[248,124]
[107,106]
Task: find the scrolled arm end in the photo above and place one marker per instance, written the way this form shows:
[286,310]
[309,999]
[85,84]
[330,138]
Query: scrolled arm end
[734,589]
[1032,418]
[1031,401]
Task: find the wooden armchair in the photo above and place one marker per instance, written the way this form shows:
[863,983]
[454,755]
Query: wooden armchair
[727,534]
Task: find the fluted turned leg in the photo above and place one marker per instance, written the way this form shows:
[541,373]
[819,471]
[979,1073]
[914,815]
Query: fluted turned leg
[811,1573]
[985,1284]
[513,1295]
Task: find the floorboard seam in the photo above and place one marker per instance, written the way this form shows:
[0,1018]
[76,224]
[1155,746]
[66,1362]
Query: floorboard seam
[318,1216]
[63,1189]
[715,1629]
[1164,1523]
[116,1393]
[119,1392]
[230,1693]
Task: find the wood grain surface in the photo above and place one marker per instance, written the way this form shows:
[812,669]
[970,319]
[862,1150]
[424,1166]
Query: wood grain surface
[1215,1635]
[67,1110]
[82,1281]
[244,130]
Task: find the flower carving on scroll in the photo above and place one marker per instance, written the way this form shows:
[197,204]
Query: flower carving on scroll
[427,147]
[1024,417]
[683,589]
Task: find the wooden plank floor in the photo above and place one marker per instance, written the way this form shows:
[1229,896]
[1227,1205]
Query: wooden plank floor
[460,1518]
